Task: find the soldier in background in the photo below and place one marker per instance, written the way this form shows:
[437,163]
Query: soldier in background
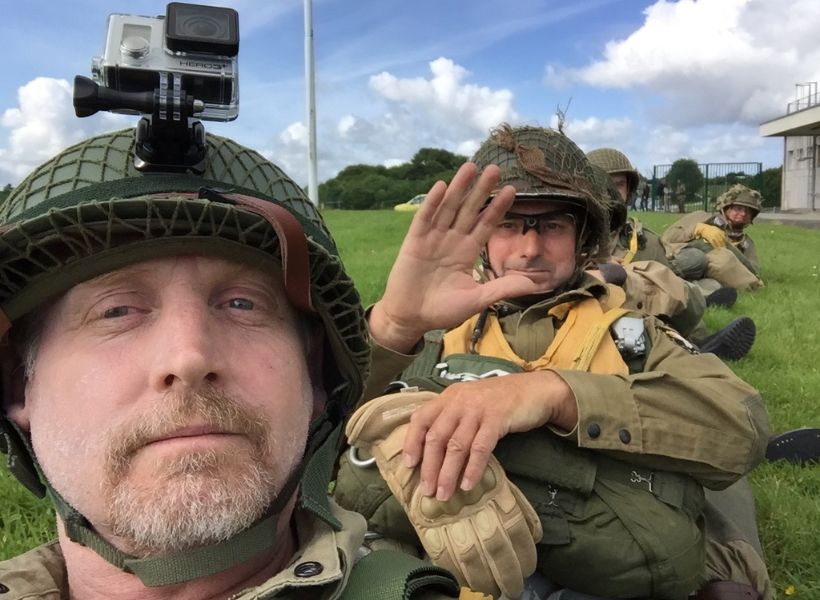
[680,196]
[714,250]
[645,197]
[655,287]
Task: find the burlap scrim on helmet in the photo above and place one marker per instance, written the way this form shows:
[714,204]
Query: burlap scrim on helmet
[533,160]
[741,195]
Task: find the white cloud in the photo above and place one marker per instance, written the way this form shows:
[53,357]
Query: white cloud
[714,61]
[346,123]
[43,124]
[594,132]
[442,111]
[445,97]
[295,133]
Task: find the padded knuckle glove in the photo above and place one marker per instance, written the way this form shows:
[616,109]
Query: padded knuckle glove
[714,236]
[486,537]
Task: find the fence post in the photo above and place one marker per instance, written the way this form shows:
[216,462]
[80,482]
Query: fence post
[706,189]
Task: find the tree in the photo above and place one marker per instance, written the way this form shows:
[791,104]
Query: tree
[770,188]
[687,171]
[376,186]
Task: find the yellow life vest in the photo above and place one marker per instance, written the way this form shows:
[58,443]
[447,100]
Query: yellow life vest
[581,343]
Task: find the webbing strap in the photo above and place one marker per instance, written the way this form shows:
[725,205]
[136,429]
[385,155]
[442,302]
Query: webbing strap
[633,247]
[292,244]
[169,569]
[175,568]
[593,338]
[391,574]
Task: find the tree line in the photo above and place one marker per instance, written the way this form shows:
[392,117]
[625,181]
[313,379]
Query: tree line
[374,186]
[362,187]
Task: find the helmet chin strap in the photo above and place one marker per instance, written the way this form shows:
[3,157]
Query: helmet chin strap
[203,561]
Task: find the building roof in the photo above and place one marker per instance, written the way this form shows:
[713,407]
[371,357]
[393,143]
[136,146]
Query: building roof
[801,122]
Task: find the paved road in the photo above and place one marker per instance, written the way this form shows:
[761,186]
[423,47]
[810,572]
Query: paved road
[807,219]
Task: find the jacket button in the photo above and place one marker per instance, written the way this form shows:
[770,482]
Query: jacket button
[308,569]
[640,305]
[594,430]
[624,436]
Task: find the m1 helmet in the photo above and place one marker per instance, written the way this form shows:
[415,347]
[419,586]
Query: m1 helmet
[544,164]
[615,162]
[743,196]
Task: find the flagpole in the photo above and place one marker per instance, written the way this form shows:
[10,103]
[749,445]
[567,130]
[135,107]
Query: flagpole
[313,186]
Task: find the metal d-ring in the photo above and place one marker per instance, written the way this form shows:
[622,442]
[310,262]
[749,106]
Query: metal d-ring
[353,455]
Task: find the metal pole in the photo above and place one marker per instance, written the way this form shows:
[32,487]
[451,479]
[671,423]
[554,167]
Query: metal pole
[313,186]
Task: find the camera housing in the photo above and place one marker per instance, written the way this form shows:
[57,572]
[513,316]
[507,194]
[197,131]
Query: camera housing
[199,44]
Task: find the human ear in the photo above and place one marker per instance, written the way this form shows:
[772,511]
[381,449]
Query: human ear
[13,386]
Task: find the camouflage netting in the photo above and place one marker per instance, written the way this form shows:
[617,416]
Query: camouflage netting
[743,196]
[543,163]
[615,162]
[88,211]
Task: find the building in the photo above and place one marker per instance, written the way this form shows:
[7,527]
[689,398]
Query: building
[800,129]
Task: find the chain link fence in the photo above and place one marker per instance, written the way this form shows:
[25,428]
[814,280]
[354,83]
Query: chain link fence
[699,193]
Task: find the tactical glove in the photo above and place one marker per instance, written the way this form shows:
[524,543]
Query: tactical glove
[486,537]
[714,236]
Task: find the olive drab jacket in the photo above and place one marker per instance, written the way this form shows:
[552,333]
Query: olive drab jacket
[634,242]
[702,394]
[322,568]
[651,285]
[672,420]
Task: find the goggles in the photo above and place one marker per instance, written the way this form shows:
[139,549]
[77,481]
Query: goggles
[553,222]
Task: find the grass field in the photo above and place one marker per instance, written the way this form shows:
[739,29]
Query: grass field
[783,365]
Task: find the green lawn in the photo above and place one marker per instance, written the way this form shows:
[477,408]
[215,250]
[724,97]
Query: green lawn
[783,364]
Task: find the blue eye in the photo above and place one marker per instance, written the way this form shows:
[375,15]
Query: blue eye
[241,304]
[117,311]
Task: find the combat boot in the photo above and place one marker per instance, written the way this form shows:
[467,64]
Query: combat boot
[727,590]
[799,446]
[733,342]
[724,297]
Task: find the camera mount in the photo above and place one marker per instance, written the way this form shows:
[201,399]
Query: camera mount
[168,137]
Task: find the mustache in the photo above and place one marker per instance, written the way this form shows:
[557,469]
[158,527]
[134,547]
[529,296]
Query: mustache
[539,263]
[207,407]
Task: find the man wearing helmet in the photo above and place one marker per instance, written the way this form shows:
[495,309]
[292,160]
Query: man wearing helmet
[181,352]
[650,282]
[595,412]
[715,249]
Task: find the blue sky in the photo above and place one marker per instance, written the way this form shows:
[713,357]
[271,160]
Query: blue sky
[659,80]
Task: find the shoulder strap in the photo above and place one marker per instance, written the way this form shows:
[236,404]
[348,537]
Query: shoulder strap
[429,357]
[389,575]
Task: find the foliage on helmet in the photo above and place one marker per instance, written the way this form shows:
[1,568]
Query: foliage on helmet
[615,162]
[88,211]
[743,196]
[544,164]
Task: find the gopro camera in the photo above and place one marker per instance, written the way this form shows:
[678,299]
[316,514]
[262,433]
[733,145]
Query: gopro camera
[199,43]
[172,70]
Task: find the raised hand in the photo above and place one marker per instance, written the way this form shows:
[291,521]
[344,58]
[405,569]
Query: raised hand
[431,284]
